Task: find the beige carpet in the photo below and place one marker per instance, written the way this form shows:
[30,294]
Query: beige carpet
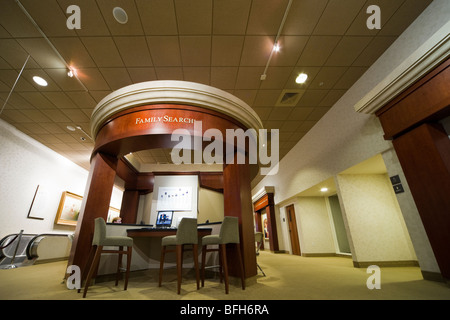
[288,278]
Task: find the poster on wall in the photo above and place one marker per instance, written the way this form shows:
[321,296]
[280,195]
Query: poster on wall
[174,198]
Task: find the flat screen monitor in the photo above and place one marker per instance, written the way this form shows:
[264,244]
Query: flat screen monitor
[164,219]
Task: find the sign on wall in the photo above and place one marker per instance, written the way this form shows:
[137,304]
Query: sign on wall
[174,198]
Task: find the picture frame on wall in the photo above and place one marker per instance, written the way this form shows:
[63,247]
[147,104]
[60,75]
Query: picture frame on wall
[112,213]
[69,209]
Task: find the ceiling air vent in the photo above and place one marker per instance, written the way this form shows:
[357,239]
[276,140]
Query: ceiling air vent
[289,98]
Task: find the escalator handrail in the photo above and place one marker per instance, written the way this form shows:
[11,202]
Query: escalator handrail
[31,243]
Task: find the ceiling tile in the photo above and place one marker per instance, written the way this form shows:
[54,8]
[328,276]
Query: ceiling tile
[331,98]
[373,51]
[56,115]
[13,53]
[264,112]
[318,113]
[103,51]
[350,77]
[60,100]
[42,53]
[327,77]
[75,115]
[169,73]
[300,113]
[56,26]
[249,77]
[290,49]
[116,77]
[223,77]
[230,16]
[404,16]
[317,50]
[134,51]
[312,98]
[141,74]
[303,16]
[93,79]
[194,17]
[306,125]
[165,50]
[267,98]
[226,50]
[265,17]
[276,77]
[280,113]
[256,50]
[338,16]
[15,21]
[195,50]
[38,100]
[157,17]
[66,83]
[197,74]
[347,50]
[73,51]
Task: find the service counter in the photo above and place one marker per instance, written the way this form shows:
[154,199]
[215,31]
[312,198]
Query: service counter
[147,248]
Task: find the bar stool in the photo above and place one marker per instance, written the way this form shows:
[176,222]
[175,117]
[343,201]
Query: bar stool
[186,234]
[99,241]
[229,234]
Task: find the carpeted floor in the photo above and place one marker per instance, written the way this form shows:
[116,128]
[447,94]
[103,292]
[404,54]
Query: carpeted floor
[287,278]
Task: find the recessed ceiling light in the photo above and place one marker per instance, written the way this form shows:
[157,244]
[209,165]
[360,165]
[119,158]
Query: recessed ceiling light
[301,78]
[70,128]
[120,15]
[324,189]
[40,81]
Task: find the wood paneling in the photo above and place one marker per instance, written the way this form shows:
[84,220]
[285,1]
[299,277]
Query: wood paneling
[426,100]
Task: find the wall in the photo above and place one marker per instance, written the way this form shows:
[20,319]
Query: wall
[313,225]
[25,164]
[374,219]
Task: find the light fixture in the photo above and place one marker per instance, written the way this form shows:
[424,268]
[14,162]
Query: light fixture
[120,15]
[70,128]
[72,72]
[276,47]
[302,77]
[40,81]
[324,189]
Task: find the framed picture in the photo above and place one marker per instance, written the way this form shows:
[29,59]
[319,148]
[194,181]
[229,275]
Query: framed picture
[69,209]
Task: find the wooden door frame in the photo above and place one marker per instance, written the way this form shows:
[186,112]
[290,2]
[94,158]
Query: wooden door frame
[267,202]
[292,221]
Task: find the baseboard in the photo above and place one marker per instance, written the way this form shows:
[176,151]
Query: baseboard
[386,264]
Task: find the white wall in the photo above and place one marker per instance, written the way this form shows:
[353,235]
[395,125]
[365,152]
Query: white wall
[313,224]
[25,164]
[377,229]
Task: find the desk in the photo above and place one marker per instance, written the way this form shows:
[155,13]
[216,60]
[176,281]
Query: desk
[149,232]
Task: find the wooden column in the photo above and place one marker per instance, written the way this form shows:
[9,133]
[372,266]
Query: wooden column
[410,120]
[95,204]
[424,154]
[130,204]
[238,203]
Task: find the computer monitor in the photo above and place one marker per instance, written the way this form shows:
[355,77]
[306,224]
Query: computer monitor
[164,219]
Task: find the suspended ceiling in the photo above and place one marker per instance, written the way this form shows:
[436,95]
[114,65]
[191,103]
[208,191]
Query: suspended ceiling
[221,43]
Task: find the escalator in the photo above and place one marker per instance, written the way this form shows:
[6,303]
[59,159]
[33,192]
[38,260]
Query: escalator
[19,250]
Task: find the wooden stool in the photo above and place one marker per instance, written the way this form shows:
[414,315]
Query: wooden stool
[186,234]
[101,240]
[229,234]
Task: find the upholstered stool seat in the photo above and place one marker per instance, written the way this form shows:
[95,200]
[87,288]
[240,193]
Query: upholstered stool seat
[186,235]
[100,241]
[229,234]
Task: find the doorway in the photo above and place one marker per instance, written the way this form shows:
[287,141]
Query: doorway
[338,221]
[293,232]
